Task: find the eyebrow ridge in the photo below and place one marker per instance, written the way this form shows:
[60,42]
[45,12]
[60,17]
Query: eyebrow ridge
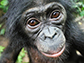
[41,8]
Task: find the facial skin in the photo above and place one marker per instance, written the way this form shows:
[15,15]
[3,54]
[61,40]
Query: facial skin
[45,24]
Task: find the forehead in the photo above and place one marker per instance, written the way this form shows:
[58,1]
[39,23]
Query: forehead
[42,2]
[43,8]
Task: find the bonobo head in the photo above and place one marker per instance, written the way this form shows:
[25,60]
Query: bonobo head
[44,24]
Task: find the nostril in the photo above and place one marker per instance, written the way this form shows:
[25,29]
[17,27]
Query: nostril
[54,35]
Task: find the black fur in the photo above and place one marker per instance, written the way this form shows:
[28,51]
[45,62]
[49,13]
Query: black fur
[19,39]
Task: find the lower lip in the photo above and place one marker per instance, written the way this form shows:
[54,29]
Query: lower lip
[54,55]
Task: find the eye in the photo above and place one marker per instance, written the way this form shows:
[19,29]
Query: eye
[55,14]
[33,22]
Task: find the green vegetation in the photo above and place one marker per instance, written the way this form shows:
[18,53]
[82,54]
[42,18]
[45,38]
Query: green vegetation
[20,57]
[2,32]
[3,8]
[3,5]
[1,50]
[80,8]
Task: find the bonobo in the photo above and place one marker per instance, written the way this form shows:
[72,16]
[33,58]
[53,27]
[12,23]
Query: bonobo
[48,30]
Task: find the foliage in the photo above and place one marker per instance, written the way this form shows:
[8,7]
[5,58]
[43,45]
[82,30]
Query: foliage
[80,8]
[4,8]
[20,57]
[2,31]
[3,5]
[1,49]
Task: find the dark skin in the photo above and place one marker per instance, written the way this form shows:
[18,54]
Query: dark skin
[46,28]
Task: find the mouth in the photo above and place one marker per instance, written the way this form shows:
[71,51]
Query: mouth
[54,55]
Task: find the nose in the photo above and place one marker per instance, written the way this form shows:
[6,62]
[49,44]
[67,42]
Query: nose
[49,32]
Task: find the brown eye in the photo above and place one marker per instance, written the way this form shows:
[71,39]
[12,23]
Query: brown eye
[33,22]
[55,14]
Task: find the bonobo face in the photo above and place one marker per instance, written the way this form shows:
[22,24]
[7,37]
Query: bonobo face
[45,25]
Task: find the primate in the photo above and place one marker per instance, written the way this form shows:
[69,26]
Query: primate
[48,30]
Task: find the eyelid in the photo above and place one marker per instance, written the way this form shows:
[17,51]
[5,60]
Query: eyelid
[29,14]
[34,19]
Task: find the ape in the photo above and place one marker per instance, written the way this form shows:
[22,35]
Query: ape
[48,30]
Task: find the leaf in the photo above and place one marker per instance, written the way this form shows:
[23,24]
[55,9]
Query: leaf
[79,3]
[4,2]
[0,25]
[21,55]
[2,48]
[2,31]
[82,13]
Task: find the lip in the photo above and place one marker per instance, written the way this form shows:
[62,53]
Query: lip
[55,54]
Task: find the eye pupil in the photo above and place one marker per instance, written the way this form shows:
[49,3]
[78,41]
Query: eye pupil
[33,22]
[55,14]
